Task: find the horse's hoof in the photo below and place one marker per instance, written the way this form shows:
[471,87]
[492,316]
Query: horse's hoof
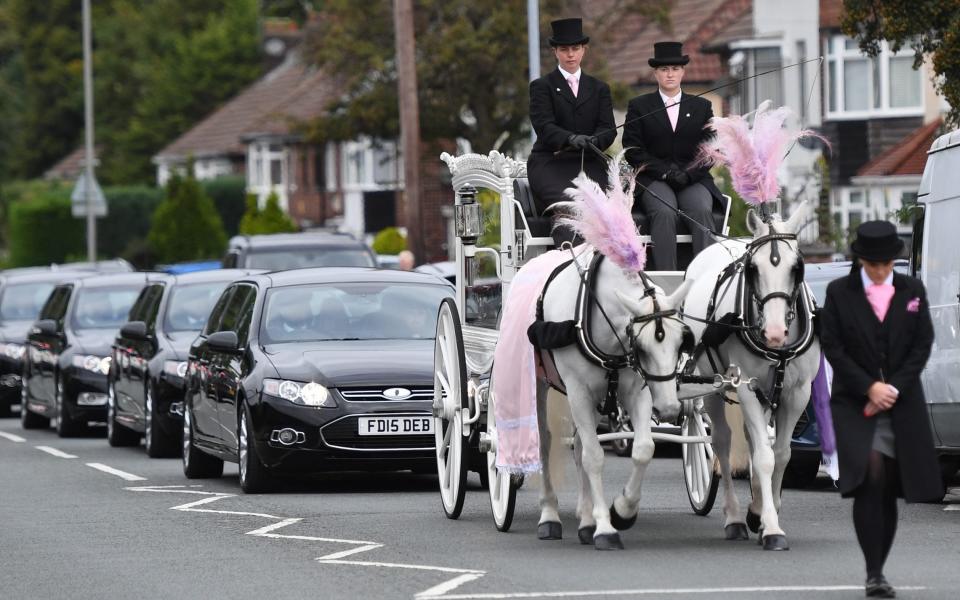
[775,542]
[753,521]
[736,531]
[550,530]
[608,541]
[586,534]
[619,522]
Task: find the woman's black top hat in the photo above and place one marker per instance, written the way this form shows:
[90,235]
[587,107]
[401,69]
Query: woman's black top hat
[877,241]
[668,53]
[568,32]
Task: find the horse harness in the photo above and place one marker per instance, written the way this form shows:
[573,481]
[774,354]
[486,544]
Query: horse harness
[749,304]
[580,330]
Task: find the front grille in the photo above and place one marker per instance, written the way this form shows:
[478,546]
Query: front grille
[343,434]
[801,424]
[380,394]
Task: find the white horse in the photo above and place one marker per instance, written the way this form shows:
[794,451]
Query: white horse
[772,274]
[631,305]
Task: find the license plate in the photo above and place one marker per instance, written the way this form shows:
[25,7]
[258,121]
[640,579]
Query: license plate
[395,425]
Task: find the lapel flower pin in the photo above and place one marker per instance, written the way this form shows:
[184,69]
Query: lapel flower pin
[913,305]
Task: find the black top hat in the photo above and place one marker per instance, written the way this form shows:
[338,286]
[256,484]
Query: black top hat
[568,32]
[877,241]
[668,53]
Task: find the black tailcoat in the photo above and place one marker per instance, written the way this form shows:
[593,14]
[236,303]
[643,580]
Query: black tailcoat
[862,350]
[653,144]
[556,114]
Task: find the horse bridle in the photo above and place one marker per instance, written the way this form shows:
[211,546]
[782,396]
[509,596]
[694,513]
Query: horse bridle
[657,317]
[749,267]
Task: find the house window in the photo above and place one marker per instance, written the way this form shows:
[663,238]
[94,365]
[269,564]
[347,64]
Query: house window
[855,197]
[862,87]
[745,64]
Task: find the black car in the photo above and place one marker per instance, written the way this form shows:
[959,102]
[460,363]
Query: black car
[22,294]
[150,358]
[312,370]
[68,351]
[279,251]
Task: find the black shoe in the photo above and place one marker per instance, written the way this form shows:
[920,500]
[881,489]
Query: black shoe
[878,587]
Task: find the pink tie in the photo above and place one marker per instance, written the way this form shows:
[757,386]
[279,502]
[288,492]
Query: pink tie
[573,85]
[879,295]
[673,111]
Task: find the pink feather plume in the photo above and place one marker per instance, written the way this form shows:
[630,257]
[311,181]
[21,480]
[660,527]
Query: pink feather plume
[753,155]
[604,219]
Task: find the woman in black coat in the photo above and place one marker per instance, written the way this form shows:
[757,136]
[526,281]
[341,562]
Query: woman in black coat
[877,334]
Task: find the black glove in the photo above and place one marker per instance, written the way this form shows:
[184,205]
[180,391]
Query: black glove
[676,179]
[579,141]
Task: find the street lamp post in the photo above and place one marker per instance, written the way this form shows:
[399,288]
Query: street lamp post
[88,133]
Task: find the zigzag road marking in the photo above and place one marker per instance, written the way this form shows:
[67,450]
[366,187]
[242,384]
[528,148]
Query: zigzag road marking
[336,558]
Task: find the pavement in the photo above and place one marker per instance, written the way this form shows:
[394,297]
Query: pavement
[79,519]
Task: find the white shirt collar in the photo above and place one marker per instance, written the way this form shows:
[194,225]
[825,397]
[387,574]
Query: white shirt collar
[667,100]
[867,282]
[569,75]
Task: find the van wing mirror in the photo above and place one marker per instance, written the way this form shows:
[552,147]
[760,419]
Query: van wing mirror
[46,327]
[223,341]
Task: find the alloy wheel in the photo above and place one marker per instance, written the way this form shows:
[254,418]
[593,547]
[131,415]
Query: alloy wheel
[148,418]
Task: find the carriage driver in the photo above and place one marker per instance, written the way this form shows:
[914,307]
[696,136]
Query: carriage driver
[666,144]
[570,111]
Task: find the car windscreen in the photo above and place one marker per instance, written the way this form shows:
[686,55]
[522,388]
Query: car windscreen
[357,311]
[103,307]
[22,302]
[280,259]
[190,305]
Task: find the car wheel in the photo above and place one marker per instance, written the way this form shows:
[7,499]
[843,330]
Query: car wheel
[197,464]
[254,476]
[66,426]
[29,420]
[118,436]
[802,470]
[158,443]
[948,468]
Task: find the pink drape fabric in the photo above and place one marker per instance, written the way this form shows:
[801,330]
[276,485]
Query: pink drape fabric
[514,368]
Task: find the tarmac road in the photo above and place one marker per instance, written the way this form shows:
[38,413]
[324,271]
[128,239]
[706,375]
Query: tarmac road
[79,519]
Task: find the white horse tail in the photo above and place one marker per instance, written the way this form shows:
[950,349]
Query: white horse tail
[560,424]
[739,450]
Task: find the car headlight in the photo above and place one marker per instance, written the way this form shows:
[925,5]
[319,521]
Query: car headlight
[305,394]
[176,368]
[13,350]
[89,362]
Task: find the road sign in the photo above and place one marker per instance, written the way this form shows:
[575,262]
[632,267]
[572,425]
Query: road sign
[78,199]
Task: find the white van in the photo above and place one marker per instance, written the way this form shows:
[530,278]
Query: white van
[935,259]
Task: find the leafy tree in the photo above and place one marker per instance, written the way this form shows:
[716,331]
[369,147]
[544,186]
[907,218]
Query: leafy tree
[389,240]
[928,27]
[186,225]
[251,216]
[471,66]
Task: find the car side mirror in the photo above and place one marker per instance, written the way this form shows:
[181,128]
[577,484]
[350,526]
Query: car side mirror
[135,330]
[46,327]
[230,260]
[223,341]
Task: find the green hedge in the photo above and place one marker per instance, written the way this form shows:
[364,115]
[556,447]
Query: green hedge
[42,230]
[229,193]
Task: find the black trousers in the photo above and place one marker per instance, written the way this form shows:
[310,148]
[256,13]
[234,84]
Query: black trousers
[695,200]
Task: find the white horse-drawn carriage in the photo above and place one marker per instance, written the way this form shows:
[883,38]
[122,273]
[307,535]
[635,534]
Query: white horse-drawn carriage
[661,376]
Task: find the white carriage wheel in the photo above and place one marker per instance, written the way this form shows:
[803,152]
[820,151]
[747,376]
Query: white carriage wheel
[449,398]
[699,468]
[502,486]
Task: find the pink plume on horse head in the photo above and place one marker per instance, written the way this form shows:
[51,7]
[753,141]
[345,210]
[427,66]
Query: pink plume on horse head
[604,219]
[752,154]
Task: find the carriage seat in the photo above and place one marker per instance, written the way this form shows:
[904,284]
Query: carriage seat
[540,224]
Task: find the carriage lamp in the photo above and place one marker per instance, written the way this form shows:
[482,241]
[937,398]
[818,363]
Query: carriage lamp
[466,215]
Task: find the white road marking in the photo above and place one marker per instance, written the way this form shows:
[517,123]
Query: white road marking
[54,452]
[117,472]
[336,558]
[952,507]
[670,591]
[441,589]
[12,437]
